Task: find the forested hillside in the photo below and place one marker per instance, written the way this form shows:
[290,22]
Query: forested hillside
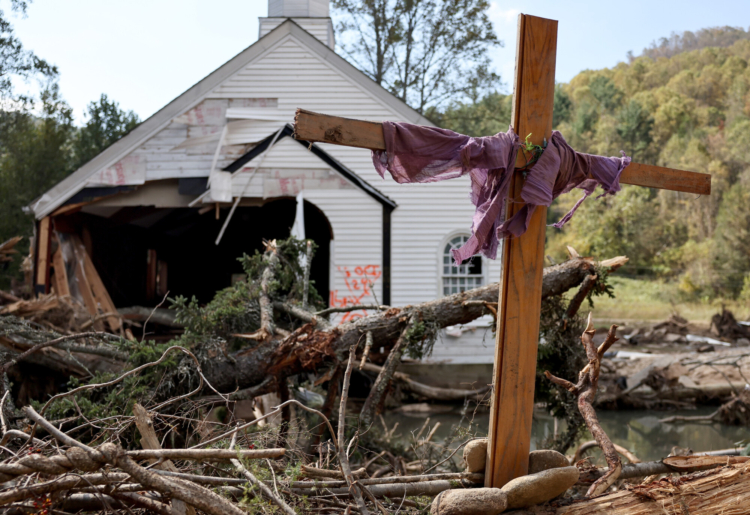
[687,109]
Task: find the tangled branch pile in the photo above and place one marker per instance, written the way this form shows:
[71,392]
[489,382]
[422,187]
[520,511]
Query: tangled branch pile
[268,335]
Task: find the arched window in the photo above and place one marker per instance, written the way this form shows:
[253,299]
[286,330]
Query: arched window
[464,277]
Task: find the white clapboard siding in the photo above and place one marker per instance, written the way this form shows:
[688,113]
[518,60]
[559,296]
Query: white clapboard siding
[290,165]
[301,8]
[289,75]
[356,219]
[475,345]
[427,214]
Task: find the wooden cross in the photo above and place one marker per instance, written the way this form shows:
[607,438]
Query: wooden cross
[523,257]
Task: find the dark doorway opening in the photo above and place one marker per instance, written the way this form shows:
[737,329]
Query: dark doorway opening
[136,244]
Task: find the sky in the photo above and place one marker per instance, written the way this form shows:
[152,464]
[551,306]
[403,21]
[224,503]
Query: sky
[144,53]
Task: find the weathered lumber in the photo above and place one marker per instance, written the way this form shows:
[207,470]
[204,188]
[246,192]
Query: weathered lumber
[316,127]
[519,295]
[42,256]
[725,490]
[681,464]
[149,440]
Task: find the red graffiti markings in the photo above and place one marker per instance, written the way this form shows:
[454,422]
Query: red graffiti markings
[359,284]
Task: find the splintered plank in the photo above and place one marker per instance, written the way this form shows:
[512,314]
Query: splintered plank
[84,287]
[149,440]
[61,275]
[723,491]
[94,293]
[42,264]
[520,301]
[101,293]
[321,128]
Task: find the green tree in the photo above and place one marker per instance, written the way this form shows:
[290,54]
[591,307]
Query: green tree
[35,155]
[634,126]
[562,108]
[484,117]
[15,61]
[426,52]
[605,92]
[105,124]
[732,240]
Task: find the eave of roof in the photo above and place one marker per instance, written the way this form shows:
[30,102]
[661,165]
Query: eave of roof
[62,191]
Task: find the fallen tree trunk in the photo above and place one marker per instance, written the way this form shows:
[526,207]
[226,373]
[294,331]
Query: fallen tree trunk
[161,316]
[307,348]
[317,343]
[430,392]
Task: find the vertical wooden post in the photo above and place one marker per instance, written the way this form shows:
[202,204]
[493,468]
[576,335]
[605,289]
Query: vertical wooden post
[523,262]
[41,284]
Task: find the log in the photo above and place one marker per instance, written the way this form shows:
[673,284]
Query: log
[725,490]
[161,316]
[291,356]
[429,392]
[398,490]
[288,356]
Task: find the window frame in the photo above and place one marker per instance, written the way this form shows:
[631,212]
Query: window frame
[441,275]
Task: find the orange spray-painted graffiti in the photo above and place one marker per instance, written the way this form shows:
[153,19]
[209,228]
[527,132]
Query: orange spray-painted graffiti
[359,284]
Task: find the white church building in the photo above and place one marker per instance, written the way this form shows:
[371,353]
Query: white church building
[150,208]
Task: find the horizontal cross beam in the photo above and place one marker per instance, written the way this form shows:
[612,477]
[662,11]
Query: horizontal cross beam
[315,127]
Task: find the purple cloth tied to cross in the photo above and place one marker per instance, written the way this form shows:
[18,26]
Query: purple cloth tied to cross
[415,153]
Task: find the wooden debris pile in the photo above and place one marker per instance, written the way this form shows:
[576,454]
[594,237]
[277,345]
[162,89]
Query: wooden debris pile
[7,249]
[77,464]
[78,299]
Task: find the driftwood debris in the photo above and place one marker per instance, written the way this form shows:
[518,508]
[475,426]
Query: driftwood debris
[430,392]
[585,391]
[724,490]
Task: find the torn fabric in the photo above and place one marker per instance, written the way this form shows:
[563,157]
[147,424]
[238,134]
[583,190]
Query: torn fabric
[428,154]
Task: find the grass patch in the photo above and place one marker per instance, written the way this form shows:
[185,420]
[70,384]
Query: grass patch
[650,300]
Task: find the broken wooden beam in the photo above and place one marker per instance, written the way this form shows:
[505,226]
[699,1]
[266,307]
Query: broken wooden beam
[723,490]
[321,128]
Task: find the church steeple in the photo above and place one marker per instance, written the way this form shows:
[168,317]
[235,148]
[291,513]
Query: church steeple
[298,8]
[311,15]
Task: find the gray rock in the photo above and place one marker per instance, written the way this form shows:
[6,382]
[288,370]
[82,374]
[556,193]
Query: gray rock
[475,455]
[470,501]
[541,487]
[545,460]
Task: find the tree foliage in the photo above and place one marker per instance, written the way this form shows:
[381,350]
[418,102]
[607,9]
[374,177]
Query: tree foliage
[426,52]
[39,143]
[15,61]
[686,108]
[106,123]
[687,41]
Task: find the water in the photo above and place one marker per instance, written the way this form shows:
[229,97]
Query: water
[639,431]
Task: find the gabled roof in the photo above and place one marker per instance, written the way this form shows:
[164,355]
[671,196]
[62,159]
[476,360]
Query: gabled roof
[324,156]
[65,189]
